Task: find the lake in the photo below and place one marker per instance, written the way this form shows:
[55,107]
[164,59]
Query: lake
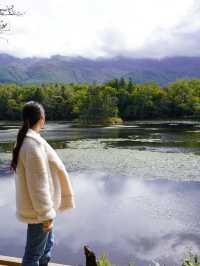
[137,190]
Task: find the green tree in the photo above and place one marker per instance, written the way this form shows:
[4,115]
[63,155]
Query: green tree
[98,104]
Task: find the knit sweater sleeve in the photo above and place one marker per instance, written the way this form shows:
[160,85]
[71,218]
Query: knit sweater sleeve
[57,163]
[36,172]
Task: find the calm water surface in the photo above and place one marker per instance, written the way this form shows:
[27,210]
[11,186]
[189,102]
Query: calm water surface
[137,192]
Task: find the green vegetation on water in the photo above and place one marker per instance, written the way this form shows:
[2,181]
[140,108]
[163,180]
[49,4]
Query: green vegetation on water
[108,103]
[191,261]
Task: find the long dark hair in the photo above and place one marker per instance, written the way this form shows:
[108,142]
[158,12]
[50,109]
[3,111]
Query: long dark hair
[31,114]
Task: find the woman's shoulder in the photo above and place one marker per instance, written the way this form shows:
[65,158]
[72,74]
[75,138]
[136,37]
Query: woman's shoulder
[32,150]
[30,144]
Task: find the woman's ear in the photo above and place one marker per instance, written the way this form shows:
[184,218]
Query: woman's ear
[42,121]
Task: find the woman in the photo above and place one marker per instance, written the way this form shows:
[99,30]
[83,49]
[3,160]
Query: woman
[43,187]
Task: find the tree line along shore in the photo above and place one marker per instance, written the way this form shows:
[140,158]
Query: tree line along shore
[111,102]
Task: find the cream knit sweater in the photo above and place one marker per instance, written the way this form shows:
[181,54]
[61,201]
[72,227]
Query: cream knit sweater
[42,184]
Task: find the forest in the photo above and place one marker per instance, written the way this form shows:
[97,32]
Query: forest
[119,98]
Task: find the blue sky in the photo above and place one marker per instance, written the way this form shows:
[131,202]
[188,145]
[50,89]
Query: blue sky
[96,28]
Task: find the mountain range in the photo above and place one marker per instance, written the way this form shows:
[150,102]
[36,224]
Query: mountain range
[58,69]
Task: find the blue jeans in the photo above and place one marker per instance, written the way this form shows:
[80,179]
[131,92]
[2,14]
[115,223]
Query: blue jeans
[39,245]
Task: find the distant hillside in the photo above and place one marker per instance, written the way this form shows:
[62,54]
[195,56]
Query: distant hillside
[79,69]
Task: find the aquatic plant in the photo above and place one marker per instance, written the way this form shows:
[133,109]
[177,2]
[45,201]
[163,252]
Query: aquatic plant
[104,261]
[192,260]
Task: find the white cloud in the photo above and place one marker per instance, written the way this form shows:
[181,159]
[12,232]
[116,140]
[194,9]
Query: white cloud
[93,28]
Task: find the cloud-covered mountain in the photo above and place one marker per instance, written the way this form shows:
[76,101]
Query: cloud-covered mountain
[79,69]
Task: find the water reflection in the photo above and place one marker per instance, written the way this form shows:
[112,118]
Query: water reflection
[164,136]
[137,189]
[129,219]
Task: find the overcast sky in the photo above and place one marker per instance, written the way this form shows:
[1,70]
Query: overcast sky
[93,28]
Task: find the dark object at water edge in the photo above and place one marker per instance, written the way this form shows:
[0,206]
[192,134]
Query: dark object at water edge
[90,257]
